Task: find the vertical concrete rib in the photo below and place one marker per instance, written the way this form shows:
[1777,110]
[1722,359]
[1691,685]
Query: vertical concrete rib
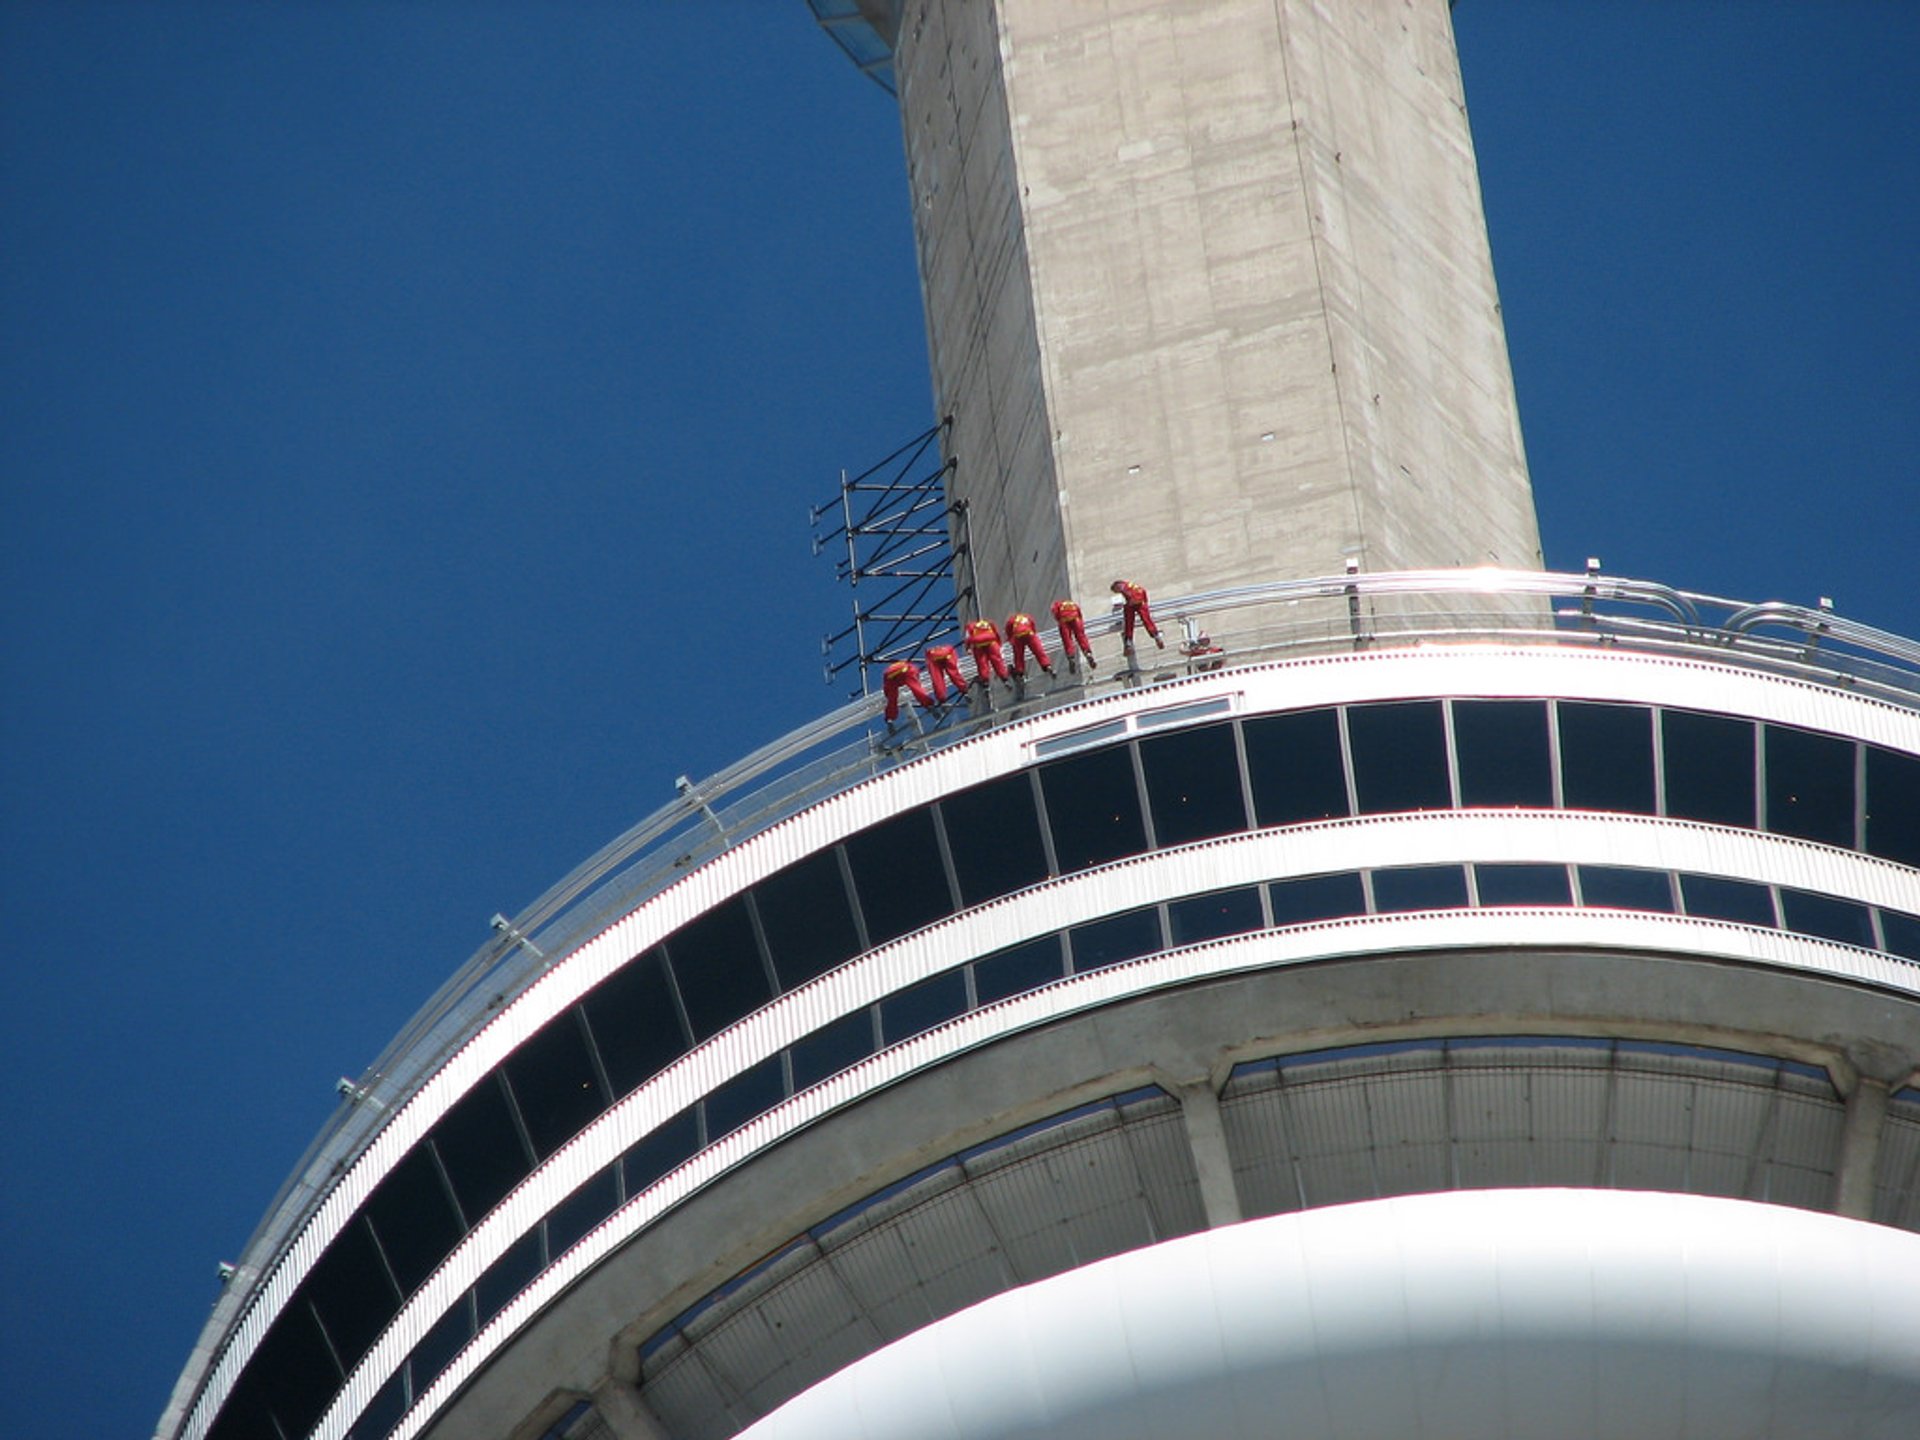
[1208,290]
[1853,1179]
[1206,1133]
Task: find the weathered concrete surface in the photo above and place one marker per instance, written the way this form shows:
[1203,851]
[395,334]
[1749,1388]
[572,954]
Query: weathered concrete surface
[1208,292]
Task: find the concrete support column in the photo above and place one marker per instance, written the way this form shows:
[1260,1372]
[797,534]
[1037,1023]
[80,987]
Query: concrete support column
[1212,1162]
[1860,1149]
[626,1415]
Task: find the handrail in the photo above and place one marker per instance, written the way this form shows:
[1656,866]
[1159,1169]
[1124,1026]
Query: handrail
[807,763]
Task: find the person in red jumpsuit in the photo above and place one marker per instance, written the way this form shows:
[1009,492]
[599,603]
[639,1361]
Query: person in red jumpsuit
[1134,597]
[983,639]
[1024,636]
[943,665]
[1073,632]
[904,675]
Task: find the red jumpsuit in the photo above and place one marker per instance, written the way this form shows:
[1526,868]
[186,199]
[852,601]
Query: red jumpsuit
[1135,599]
[1073,631]
[984,641]
[943,664]
[1023,636]
[904,675]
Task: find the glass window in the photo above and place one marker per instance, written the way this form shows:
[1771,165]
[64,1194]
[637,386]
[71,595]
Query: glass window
[1316,897]
[922,1005]
[662,1151]
[1503,753]
[383,1412]
[1606,757]
[716,964]
[898,875]
[509,1275]
[1709,765]
[1902,933]
[1714,897]
[832,1048]
[481,1149]
[1210,917]
[1399,756]
[553,1081]
[447,1338]
[807,918]
[1523,884]
[414,1218]
[1114,939]
[570,1220]
[1419,887]
[1616,887]
[1809,785]
[1018,969]
[292,1372]
[1826,917]
[1093,808]
[1293,762]
[1893,805]
[1193,784]
[635,1023]
[993,834]
[350,1290]
[752,1092]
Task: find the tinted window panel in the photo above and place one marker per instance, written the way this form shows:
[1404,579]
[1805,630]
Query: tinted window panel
[447,1338]
[635,1023]
[1093,808]
[1117,938]
[807,918]
[1316,897]
[293,1371]
[993,834]
[662,1151]
[832,1048]
[1827,918]
[585,1208]
[553,1082]
[1523,884]
[509,1275]
[1016,970]
[1893,805]
[383,1412]
[1503,754]
[1616,888]
[414,1217]
[1902,933]
[922,1006]
[1210,917]
[1193,784]
[350,1290]
[1809,785]
[898,875]
[1709,764]
[753,1092]
[716,964]
[1606,757]
[1715,898]
[1399,757]
[1293,762]
[481,1149]
[1420,887]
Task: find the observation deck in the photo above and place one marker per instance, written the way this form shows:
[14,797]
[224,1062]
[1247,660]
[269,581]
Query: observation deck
[1392,891]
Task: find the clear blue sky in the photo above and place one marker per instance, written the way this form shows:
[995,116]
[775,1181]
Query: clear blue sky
[408,418]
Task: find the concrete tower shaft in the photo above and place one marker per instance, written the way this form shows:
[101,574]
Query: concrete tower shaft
[1208,290]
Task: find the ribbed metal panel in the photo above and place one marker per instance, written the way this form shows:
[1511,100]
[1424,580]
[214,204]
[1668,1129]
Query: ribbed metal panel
[1896,1198]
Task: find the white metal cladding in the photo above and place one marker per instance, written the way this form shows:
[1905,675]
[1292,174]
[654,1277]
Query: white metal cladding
[1499,1315]
[1421,672]
[899,964]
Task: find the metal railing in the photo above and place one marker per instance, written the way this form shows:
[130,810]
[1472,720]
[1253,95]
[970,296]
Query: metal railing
[1270,622]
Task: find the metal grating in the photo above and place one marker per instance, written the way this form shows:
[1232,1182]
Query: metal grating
[1101,1181]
